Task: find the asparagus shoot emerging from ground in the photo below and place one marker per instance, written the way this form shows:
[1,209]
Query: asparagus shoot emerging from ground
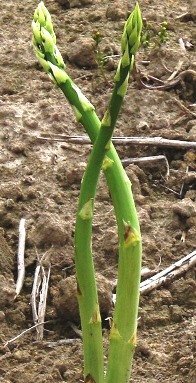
[124,325]
[123,332]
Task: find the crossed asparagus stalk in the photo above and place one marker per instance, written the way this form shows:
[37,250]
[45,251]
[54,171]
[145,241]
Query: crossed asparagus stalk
[103,156]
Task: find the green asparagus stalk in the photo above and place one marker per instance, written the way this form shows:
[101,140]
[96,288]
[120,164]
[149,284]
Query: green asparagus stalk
[122,339]
[124,326]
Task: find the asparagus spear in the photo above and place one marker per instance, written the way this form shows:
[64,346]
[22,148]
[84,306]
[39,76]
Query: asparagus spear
[83,232]
[124,325]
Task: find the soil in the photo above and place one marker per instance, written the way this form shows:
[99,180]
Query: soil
[40,181]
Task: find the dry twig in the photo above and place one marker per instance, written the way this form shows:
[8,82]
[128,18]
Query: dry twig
[182,45]
[187,16]
[35,292]
[169,189]
[40,290]
[183,107]
[167,275]
[60,342]
[155,141]
[20,256]
[174,82]
[183,184]
[75,329]
[5,356]
[23,333]
[176,70]
[42,302]
[148,160]
[182,16]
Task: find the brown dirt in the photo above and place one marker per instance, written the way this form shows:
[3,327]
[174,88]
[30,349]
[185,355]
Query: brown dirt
[40,181]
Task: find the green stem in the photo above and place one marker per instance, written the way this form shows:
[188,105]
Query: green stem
[123,332]
[87,296]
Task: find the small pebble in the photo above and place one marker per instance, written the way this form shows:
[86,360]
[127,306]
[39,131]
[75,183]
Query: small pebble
[82,52]
[2,316]
[22,356]
[185,208]
[116,11]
